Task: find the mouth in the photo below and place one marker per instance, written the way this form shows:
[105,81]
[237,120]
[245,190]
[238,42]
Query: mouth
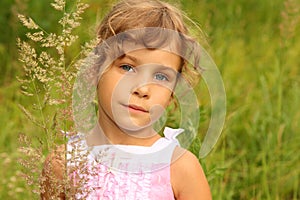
[136,108]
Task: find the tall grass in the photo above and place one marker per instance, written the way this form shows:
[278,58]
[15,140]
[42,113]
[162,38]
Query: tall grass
[256,46]
[261,74]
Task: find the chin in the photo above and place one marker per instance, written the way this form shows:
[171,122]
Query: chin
[130,126]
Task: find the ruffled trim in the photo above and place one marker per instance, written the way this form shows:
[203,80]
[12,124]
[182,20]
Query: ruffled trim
[103,181]
[171,134]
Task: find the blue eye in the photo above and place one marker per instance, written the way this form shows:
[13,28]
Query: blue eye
[127,68]
[161,77]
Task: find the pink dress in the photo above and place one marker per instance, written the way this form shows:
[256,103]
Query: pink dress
[122,172]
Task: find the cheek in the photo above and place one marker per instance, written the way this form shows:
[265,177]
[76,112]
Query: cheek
[112,89]
[105,90]
[162,97]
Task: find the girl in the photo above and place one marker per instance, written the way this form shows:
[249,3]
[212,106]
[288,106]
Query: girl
[139,60]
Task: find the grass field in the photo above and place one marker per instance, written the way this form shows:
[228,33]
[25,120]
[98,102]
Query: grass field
[256,46]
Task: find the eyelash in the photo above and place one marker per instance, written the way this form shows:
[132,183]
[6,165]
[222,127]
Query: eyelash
[126,65]
[164,76]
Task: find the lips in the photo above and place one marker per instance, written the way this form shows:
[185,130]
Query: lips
[134,107]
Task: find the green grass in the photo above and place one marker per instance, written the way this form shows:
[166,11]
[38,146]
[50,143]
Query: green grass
[257,156]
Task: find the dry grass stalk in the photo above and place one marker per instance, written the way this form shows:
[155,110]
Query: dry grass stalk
[48,81]
[290,21]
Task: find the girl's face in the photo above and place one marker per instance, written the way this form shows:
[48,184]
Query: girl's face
[134,92]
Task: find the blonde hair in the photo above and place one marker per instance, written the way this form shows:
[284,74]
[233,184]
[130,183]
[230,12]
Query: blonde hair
[130,14]
[135,14]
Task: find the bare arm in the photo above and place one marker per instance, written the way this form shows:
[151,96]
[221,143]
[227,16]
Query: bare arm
[188,179]
[52,184]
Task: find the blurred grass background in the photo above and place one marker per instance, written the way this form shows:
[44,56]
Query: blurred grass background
[256,46]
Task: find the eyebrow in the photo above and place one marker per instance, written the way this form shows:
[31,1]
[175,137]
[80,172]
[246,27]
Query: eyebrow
[134,59]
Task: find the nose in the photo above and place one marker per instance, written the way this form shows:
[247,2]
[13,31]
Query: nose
[142,91]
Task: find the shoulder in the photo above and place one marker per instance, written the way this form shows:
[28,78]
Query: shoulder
[53,174]
[187,176]
[55,161]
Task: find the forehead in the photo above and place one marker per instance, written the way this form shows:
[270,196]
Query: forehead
[154,56]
